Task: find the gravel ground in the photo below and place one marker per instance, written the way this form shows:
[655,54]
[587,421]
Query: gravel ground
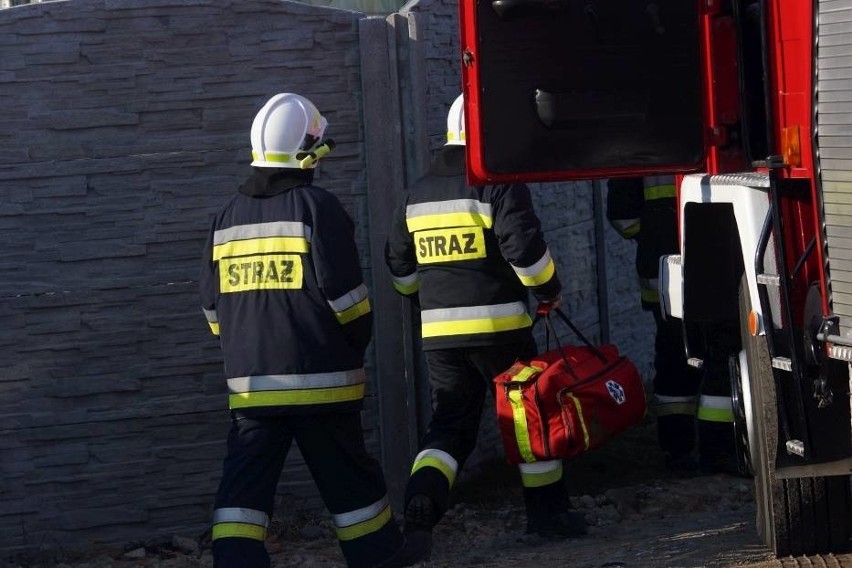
[639,516]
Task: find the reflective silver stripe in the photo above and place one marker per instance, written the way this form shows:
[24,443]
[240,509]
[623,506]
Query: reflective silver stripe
[720,402]
[662,399]
[439,455]
[292,382]
[534,270]
[473,312]
[540,467]
[211,315]
[360,515]
[453,206]
[406,280]
[349,299]
[241,515]
[260,230]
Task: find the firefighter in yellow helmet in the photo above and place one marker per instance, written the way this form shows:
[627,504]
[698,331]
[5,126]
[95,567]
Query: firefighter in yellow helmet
[282,288]
[689,403]
[470,256]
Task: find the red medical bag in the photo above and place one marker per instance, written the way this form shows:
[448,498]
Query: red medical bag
[567,401]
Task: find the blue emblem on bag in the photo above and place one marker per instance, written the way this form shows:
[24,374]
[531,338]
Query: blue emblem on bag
[616,392]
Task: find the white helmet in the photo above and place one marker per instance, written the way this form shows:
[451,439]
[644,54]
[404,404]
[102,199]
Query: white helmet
[455,123]
[287,133]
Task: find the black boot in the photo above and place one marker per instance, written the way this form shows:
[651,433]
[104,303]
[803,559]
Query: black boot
[549,514]
[716,448]
[421,515]
[681,465]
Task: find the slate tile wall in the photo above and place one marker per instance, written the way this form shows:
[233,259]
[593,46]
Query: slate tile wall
[123,125]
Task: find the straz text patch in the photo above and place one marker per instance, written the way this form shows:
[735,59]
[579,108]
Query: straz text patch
[448,245]
[261,272]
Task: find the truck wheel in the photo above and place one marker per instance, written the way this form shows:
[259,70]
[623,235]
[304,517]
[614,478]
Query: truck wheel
[795,516]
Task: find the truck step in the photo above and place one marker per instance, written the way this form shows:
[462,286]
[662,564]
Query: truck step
[769,279]
[783,363]
[695,362]
[795,447]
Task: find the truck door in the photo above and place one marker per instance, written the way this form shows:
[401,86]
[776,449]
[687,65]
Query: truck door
[568,89]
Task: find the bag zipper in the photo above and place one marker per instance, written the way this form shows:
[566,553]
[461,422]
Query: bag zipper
[591,378]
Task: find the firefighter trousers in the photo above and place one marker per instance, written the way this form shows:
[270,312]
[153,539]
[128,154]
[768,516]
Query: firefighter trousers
[460,379]
[349,480]
[687,398]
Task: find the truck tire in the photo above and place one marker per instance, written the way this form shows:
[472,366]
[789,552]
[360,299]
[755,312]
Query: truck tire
[795,516]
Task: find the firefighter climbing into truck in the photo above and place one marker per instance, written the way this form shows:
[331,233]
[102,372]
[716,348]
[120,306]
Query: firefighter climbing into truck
[748,104]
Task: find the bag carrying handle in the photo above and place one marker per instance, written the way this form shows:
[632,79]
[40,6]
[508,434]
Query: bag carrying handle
[550,329]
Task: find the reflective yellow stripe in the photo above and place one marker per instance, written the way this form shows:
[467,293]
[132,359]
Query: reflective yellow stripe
[214,327]
[650,296]
[446,220]
[451,136]
[526,373]
[355,312]
[406,289]
[279,157]
[362,529]
[529,479]
[291,397]
[659,192]
[483,325]
[437,464]
[522,433]
[542,277]
[263,245]
[579,408]
[238,530]
[715,414]
[631,231]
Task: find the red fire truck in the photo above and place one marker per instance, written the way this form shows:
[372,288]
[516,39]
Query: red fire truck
[749,104]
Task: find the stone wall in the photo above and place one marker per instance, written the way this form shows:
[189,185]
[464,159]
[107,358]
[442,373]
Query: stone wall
[125,125]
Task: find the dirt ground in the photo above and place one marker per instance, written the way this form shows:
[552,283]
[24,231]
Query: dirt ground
[639,516]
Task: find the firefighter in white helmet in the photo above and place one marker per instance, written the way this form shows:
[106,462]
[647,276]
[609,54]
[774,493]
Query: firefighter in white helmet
[470,256]
[282,288]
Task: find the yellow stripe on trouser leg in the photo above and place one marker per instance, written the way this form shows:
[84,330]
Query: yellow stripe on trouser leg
[366,527]
[715,408]
[539,474]
[715,415]
[238,530]
[671,405]
[438,459]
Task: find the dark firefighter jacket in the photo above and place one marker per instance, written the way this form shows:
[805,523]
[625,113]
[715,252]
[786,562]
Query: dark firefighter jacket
[282,287]
[645,209]
[469,255]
